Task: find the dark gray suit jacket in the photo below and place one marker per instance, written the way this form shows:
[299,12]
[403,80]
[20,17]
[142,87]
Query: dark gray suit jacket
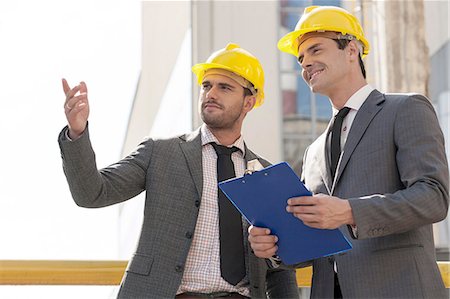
[170,171]
[394,172]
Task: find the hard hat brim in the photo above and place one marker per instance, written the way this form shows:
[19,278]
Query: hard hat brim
[289,43]
[201,68]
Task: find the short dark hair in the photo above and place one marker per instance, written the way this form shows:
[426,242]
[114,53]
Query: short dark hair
[342,44]
[247,92]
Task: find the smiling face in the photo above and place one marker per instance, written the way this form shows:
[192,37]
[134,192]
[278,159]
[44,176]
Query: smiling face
[222,103]
[326,68]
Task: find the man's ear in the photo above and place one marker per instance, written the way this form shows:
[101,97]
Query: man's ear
[353,50]
[249,102]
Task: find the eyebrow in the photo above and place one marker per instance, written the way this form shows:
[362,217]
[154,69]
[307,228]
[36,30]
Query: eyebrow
[221,84]
[310,49]
[226,85]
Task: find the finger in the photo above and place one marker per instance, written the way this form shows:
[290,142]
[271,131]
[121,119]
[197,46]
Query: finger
[301,209]
[302,200]
[307,217]
[266,253]
[83,87]
[71,99]
[71,93]
[311,221]
[263,246]
[79,106]
[66,86]
[271,239]
[293,199]
[258,231]
[76,102]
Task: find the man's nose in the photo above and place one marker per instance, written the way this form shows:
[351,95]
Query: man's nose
[211,93]
[306,62]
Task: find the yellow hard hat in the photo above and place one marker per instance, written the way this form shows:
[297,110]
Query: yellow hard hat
[320,19]
[239,61]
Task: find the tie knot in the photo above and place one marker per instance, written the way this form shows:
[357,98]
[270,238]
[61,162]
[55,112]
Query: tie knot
[223,150]
[343,113]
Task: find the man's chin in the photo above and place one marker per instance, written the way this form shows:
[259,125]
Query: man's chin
[315,88]
[211,120]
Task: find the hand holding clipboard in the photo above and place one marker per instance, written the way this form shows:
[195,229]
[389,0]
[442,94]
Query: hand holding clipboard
[262,196]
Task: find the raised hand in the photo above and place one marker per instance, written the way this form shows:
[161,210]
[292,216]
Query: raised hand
[76,107]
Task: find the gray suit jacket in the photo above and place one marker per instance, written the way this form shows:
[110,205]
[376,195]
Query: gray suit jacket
[171,173]
[394,172]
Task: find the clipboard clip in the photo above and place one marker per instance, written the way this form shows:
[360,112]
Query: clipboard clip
[252,166]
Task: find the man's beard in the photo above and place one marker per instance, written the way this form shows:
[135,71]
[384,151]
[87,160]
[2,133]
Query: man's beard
[223,121]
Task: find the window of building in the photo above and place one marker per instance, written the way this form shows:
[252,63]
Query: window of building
[305,114]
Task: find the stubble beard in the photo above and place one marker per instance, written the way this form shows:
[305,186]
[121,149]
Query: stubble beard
[221,121]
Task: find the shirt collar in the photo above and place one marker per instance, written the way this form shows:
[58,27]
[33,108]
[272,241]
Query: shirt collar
[357,99]
[208,137]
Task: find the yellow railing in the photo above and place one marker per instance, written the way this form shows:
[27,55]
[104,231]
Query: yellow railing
[24,272]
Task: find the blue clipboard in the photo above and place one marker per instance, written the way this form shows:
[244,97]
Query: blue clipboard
[261,197]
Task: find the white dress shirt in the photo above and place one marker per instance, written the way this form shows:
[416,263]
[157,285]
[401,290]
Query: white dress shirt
[202,269]
[354,103]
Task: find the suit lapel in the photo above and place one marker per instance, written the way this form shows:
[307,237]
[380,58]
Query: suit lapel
[363,118]
[249,155]
[191,145]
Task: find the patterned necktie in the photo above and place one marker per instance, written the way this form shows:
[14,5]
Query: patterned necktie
[336,138]
[232,263]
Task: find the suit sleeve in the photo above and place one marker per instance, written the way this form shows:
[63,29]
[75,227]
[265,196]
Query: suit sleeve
[422,169]
[93,188]
[282,283]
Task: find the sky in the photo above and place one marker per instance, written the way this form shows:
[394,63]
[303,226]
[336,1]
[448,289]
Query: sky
[41,42]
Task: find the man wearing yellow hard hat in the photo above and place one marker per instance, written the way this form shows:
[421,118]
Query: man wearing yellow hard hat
[193,241]
[378,173]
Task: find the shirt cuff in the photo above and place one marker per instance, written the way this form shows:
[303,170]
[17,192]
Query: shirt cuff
[274,261]
[66,133]
[354,230]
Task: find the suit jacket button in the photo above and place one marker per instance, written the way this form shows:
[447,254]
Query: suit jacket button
[179,268]
[197,203]
[188,235]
